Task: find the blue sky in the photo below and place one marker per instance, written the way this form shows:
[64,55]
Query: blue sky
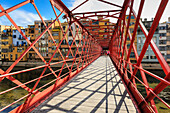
[27,13]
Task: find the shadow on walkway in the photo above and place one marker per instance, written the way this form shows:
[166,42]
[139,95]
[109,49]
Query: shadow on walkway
[98,88]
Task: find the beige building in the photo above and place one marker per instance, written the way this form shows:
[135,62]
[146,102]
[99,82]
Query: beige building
[128,42]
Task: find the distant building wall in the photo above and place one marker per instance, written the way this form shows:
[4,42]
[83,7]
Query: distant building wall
[163,39]
[149,55]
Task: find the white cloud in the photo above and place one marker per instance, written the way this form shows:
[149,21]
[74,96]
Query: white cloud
[150,7]
[21,17]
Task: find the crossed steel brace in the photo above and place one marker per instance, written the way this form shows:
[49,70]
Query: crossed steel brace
[91,40]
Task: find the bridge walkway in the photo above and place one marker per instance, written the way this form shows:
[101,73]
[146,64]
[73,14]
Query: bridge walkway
[98,88]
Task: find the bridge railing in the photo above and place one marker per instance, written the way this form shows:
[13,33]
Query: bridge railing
[45,79]
[132,73]
[81,51]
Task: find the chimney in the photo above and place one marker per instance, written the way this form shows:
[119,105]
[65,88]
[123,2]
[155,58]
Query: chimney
[145,19]
[152,19]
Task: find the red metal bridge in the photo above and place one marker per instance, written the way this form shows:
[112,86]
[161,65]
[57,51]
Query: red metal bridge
[114,75]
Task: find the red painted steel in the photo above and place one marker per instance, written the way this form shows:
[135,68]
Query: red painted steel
[91,38]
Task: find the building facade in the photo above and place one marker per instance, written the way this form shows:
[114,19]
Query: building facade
[6,43]
[2,34]
[128,42]
[168,40]
[18,39]
[16,52]
[149,55]
[30,33]
[163,39]
[43,43]
[19,45]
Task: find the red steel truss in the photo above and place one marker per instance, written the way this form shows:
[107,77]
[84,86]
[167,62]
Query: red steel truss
[91,40]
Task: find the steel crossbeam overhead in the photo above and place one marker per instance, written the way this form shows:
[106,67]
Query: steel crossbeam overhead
[90,32]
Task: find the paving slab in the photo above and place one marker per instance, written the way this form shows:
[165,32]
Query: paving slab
[97,89]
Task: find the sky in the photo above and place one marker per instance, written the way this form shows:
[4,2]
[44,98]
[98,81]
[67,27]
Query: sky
[26,15]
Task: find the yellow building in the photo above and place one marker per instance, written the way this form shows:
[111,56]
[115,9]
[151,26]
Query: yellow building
[9,51]
[103,26]
[65,27]
[56,35]
[16,52]
[131,28]
[29,32]
[6,40]
[2,28]
[64,48]
[44,45]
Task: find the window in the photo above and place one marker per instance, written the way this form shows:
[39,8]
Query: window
[64,27]
[20,37]
[10,56]
[143,39]
[77,42]
[146,57]
[63,42]
[54,48]
[19,49]
[168,47]
[70,34]
[140,47]
[128,45]
[154,39]
[4,43]
[14,36]
[57,40]
[162,48]
[132,23]
[162,28]
[168,56]
[55,34]
[4,50]
[132,55]
[131,30]
[105,30]
[70,42]
[162,41]
[105,36]
[16,56]
[139,40]
[153,57]
[94,22]
[162,34]
[128,38]
[132,17]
